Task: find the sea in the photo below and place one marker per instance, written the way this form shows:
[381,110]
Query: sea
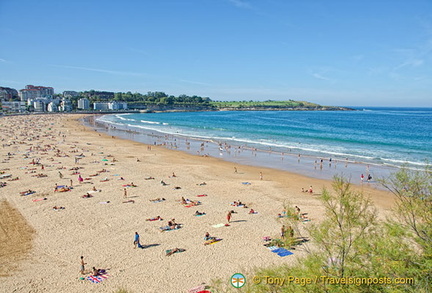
[320,144]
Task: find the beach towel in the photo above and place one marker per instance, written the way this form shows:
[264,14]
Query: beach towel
[154,219]
[39,199]
[198,289]
[27,193]
[156,201]
[280,251]
[167,228]
[218,225]
[246,183]
[179,250]
[212,241]
[201,195]
[97,279]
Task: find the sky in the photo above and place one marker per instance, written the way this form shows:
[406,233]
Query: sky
[333,52]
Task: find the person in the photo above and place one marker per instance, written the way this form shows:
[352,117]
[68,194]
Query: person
[252,211]
[124,193]
[82,269]
[235,169]
[174,251]
[173,225]
[291,231]
[60,175]
[310,189]
[229,217]
[261,176]
[299,215]
[137,241]
[80,179]
[208,237]
[96,272]
[362,177]
[198,213]
[283,231]
[369,178]
[158,218]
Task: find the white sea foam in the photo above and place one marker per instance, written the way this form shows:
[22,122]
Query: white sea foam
[150,122]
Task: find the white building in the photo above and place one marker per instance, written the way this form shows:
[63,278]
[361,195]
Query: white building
[39,106]
[117,105]
[100,106]
[65,105]
[33,92]
[110,106]
[14,106]
[52,107]
[84,104]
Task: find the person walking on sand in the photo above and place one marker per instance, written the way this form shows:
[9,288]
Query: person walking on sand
[235,169]
[124,193]
[82,269]
[261,176]
[283,231]
[60,175]
[137,241]
[229,217]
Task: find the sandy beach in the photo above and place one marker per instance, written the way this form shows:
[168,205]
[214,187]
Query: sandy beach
[41,246]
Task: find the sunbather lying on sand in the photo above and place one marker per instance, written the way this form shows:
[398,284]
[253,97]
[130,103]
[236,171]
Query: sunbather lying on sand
[97,272]
[173,225]
[158,218]
[58,208]
[27,192]
[149,178]
[158,199]
[87,195]
[174,251]
[238,204]
[199,213]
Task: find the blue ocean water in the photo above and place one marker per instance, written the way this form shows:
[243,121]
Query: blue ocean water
[379,136]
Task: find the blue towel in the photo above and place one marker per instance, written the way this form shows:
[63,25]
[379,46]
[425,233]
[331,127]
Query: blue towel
[284,253]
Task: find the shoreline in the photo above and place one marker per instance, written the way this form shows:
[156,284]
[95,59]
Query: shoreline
[103,233]
[317,167]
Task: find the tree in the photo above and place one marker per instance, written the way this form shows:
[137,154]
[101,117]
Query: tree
[413,192]
[351,248]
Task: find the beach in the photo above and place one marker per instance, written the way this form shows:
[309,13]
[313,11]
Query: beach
[46,154]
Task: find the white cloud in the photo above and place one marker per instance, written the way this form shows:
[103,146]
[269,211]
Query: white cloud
[240,4]
[115,72]
[319,76]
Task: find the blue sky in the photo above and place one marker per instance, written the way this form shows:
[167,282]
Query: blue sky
[333,52]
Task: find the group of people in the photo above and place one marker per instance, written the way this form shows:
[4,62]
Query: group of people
[95,272]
